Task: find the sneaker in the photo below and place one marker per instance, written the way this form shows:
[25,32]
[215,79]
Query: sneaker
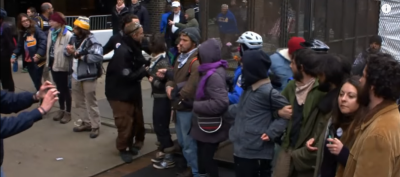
[165,164]
[24,70]
[126,156]
[159,157]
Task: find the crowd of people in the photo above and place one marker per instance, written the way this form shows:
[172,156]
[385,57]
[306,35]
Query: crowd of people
[300,112]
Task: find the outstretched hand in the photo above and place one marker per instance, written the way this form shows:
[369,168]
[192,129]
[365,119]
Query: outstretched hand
[49,99]
[47,85]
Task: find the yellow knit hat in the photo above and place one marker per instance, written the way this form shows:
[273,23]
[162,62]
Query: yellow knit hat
[82,22]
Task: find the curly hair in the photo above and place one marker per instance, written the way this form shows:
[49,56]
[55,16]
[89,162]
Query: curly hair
[383,73]
[31,29]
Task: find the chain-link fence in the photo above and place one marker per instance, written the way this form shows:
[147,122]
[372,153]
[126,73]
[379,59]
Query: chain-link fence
[345,25]
[389,27]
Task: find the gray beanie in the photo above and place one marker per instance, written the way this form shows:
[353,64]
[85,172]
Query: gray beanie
[193,33]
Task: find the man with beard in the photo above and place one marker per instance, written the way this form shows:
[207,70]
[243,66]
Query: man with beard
[43,19]
[304,95]
[376,151]
[182,90]
[124,91]
[375,43]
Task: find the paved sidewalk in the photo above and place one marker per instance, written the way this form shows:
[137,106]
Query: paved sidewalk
[23,83]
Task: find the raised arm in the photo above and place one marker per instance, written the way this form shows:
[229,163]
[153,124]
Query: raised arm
[15,102]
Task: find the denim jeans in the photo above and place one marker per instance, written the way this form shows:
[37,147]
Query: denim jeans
[188,144]
[36,74]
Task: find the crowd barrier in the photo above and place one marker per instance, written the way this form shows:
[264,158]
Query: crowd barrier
[97,22]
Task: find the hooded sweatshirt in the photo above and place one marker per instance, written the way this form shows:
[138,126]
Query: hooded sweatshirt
[191,20]
[280,66]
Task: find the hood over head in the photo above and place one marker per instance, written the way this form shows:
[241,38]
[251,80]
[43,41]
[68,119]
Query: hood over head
[210,51]
[256,64]
[191,14]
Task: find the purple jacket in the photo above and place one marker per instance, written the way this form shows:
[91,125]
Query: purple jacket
[215,101]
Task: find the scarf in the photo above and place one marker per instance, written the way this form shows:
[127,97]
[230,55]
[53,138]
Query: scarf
[183,57]
[302,90]
[155,59]
[119,8]
[54,34]
[210,69]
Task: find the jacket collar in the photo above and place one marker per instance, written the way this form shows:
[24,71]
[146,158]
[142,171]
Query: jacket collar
[259,83]
[65,30]
[377,111]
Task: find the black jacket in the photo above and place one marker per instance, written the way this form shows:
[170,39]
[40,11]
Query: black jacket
[116,19]
[173,36]
[125,72]
[7,45]
[143,15]
[117,38]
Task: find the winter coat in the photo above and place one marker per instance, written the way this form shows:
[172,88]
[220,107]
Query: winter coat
[143,15]
[116,19]
[376,151]
[191,20]
[89,67]
[125,72]
[280,66]
[252,116]
[36,44]
[215,101]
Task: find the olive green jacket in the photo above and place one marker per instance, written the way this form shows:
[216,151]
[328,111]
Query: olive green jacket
[303,160]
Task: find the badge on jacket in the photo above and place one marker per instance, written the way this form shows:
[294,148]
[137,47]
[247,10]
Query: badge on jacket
[117,45]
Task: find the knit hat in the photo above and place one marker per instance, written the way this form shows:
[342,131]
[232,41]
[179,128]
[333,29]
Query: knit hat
[56,17]
[82,22]
[193,33]
[294,44]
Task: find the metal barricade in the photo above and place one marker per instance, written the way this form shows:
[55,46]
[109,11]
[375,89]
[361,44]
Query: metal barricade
[100,22]
[97,22]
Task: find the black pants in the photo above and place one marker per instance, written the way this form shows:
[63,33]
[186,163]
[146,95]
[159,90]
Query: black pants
[161,121]
[61,81]
[205,158]
[24,64]
[6,78]
[252,167]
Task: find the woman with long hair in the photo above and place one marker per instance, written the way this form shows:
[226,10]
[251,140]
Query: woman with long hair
[32,46]
[339,131]
[59,64]
[117,13]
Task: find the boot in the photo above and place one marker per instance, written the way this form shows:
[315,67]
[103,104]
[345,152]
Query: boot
[84,127]
[59,115]
[136,147]
[186,173]
[67,118]
[94,133]
[126,156]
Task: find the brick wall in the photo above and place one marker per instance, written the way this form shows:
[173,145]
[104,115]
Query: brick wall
[156,9]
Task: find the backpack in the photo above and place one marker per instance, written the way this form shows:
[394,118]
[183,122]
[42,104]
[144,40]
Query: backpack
[40,20]
[1,33]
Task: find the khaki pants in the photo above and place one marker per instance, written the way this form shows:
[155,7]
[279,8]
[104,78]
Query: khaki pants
[128,118]
[84,95]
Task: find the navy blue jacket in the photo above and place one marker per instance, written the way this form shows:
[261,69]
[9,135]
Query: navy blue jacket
[10,126]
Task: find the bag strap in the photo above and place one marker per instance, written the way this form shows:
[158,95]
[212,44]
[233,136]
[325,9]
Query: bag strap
[190,66]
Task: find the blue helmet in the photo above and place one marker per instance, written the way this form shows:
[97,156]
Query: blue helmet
[3,13]
[316,45]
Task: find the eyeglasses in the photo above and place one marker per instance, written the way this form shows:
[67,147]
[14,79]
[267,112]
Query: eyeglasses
[24,21]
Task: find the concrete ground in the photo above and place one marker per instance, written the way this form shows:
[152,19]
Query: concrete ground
[34,152]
